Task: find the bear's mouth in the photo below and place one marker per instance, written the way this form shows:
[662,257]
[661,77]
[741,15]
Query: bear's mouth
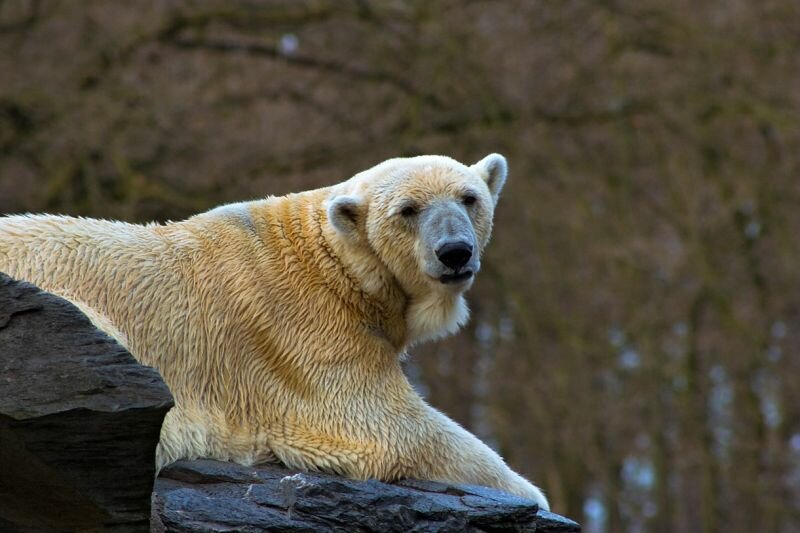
[457,277]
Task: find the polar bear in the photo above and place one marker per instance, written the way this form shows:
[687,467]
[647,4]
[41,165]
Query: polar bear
[279,324]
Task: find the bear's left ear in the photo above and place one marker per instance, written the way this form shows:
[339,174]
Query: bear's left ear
[346,214]
[493,169]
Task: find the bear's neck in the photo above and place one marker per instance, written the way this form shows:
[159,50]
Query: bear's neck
[360,281]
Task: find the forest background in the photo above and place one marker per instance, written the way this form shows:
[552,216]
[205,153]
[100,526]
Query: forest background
[634,338]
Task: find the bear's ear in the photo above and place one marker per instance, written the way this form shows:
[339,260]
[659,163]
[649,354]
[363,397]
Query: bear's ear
[346,214]
[493,169]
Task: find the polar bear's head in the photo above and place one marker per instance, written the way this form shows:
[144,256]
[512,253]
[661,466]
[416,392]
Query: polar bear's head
[426,218]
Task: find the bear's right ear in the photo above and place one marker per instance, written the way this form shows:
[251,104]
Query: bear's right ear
[493,169]
[346,214]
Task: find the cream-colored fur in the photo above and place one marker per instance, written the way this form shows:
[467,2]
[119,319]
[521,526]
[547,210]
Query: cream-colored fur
[280,334]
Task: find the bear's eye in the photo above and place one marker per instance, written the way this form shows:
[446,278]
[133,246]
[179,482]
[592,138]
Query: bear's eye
[469,199]
[409,210]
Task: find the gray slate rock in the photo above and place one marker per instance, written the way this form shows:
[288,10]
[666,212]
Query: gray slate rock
[79,420]
[212,496]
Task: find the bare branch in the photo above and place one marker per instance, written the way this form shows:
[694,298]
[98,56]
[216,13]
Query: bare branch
[223,45]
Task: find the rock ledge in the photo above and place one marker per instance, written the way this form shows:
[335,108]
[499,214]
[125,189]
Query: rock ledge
[205,496]
[79,420]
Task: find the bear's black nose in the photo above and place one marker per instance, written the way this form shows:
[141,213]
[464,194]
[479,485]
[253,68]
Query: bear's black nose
[454,254]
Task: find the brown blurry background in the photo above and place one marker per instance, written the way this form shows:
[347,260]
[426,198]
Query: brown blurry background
[634,340]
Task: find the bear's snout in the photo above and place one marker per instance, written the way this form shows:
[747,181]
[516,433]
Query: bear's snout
[454,254]
[450,250]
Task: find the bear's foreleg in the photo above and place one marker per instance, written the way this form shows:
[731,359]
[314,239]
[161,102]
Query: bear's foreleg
[453,454]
